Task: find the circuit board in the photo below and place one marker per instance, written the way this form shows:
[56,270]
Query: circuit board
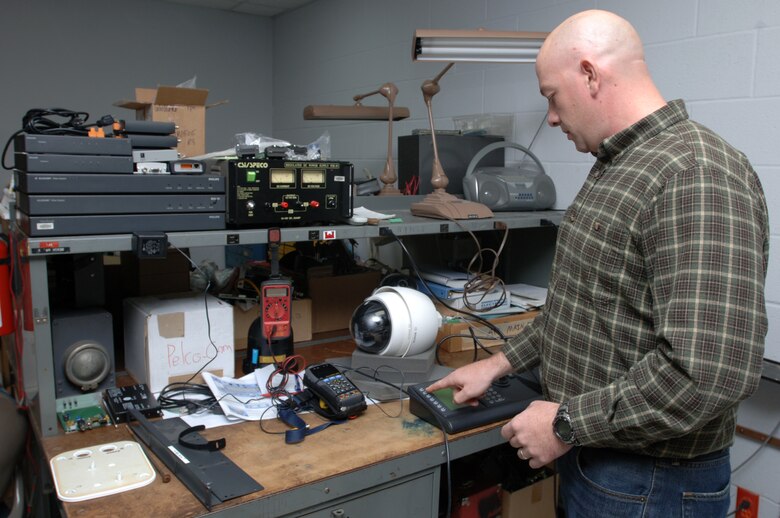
[83,419]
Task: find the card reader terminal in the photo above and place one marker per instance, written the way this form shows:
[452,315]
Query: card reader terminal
[506,397]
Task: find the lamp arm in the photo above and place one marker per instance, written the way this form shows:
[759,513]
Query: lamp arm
[360,97]
[439,180]
[430,87]
[444,71]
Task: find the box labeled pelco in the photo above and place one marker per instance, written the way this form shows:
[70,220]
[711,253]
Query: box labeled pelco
[169,338]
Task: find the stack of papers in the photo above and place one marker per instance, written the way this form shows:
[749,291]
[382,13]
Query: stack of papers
[449,286]
[450,278]
[527,296]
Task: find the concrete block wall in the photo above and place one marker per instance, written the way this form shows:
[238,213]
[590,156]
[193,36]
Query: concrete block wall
[720,56]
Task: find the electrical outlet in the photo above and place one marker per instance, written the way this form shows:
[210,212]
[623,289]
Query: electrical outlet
[747,504]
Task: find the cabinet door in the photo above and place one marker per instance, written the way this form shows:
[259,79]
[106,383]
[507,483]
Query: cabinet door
[416,496]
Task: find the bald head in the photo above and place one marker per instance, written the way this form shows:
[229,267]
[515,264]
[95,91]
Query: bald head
[592,65]
[598,35]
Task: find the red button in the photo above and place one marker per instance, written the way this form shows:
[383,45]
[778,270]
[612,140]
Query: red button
[315,204]
[284,204]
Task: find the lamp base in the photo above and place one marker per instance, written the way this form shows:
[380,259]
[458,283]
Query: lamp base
[389,190]
[442,205]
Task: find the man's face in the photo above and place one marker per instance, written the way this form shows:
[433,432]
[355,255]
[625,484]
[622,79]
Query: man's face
[568,103]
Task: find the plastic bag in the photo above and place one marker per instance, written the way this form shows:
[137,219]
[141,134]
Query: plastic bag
[317,150]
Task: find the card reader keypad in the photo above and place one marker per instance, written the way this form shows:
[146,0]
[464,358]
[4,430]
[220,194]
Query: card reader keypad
[341,386]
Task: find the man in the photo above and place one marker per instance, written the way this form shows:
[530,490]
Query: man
[654,325]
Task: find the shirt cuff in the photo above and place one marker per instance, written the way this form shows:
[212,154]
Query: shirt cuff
[588,420]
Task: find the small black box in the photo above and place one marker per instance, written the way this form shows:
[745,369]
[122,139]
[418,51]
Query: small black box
[415,159]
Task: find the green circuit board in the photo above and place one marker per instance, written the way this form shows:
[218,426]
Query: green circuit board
[83,419]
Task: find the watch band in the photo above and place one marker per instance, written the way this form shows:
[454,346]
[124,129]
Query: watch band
[563,420]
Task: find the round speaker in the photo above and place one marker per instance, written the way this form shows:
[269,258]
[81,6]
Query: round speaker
[493,194]
[86,364]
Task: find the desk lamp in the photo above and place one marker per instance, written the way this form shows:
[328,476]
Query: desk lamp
[464,45]
[358,111]
[440,204]
[480,45]
[389,91]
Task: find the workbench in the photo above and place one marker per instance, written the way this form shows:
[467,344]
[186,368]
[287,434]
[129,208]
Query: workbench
[384,463]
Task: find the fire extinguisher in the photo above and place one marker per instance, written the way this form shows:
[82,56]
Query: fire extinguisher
[6,305]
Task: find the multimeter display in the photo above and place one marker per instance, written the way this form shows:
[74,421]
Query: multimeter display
[505,398]
[277,292]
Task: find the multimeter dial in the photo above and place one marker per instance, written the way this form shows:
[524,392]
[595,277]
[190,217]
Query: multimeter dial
[276,310]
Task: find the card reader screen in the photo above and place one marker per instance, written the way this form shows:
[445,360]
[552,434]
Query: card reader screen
[445,398]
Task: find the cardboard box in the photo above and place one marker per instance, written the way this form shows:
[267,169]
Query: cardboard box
[243,316]
[509,325]
[167,338]
[184,106]
[537,500]
[334,298]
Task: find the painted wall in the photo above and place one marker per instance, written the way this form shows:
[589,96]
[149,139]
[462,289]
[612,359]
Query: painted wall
[86,54]
[720,56]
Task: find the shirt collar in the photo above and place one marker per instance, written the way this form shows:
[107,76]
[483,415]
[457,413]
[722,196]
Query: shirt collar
[646,128]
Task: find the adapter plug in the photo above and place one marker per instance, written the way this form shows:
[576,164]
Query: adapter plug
[150,245]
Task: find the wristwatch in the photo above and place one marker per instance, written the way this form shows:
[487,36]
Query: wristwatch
[562,426]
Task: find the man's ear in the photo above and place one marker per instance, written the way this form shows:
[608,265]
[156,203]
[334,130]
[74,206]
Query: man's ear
[591,74]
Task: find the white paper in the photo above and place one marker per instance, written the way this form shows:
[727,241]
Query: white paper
[526,295]
[370,214]
[246,398]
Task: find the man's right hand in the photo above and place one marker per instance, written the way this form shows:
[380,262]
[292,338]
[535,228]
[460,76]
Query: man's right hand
[470,382]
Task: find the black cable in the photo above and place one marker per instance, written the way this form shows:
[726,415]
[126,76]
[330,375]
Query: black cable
[179,394]
[55,121]
[416,270]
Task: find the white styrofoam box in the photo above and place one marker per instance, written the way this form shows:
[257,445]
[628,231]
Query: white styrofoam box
[169,338]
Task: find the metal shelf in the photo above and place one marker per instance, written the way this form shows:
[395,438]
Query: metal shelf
[38,356]
[397,205]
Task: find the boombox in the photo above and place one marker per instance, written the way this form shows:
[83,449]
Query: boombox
[509,188]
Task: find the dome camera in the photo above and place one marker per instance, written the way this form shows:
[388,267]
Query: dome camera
[395,321]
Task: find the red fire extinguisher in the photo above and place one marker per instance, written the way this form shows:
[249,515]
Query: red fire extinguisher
[6,305]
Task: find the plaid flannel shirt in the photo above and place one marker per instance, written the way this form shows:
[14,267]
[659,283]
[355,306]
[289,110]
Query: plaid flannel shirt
[654,325]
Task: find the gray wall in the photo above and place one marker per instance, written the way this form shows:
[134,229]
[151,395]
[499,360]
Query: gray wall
[87,54]
[720,56]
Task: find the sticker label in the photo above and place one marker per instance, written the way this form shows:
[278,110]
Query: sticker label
[179,454]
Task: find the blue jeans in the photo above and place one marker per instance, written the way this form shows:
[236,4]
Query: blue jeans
[600,483]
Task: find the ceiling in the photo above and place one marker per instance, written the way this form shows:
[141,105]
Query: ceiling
[256,7]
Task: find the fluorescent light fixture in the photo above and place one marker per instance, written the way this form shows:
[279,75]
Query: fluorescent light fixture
[476,45]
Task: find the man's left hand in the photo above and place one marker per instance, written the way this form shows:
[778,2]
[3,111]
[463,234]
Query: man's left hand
[531,432]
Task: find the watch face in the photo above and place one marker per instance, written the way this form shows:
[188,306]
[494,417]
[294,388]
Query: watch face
[563,427]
